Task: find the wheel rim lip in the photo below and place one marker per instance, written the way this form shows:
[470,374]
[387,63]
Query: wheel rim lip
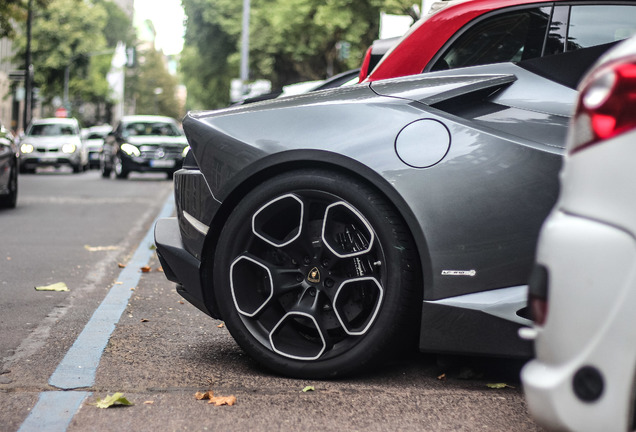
[118,165]
[263,331]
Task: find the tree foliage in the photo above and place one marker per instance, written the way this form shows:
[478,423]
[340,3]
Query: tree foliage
[154,88]
[67,33]
[14,12]
[290,41]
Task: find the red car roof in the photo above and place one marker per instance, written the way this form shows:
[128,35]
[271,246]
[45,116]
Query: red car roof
[426,37]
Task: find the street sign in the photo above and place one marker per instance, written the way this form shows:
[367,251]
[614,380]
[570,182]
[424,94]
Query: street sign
[61,112]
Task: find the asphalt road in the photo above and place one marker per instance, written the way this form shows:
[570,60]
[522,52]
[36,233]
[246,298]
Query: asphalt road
[79,229]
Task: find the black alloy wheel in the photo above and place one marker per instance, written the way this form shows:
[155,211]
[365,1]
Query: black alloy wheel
[315,275]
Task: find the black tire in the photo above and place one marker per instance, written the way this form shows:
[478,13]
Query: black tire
[315,276]
[10,200]
[120,170]
[77,168]
[105,169]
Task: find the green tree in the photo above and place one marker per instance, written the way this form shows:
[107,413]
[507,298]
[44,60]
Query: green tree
[290,41]
[211,37]
[13,12]
[153,87]
[65,34]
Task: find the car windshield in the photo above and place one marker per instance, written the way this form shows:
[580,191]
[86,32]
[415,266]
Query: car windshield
[52,129]
[150,129]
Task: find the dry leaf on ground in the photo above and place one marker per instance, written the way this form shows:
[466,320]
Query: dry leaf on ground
[498,386]
[145,269]
[222,400]
[59,286]
[114,400]
[203,395]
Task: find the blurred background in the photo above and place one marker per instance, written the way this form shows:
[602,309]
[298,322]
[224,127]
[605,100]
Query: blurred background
[97,60]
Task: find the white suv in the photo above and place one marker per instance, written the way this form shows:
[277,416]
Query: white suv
[53,142]
[583,291]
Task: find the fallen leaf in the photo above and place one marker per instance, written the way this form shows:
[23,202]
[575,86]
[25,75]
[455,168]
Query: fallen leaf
[115,399]
[119,283]
[149,402]
[160,269]
[145,320]
[153,247]
[308,389]
[222,400]
[120,265]
[181,302]
[221,325]
[442,377]
[100,248]
[201,395]
[60,286]
[498,386]
[145,269]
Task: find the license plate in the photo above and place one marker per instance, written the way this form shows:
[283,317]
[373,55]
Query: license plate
[47,160]
[162,163]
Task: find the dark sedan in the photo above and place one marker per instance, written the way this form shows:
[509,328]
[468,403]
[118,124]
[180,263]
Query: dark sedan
[143,143]
[8,169]
[329,229]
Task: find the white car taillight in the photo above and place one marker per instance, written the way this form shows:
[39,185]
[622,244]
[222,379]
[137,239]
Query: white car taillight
[606,106]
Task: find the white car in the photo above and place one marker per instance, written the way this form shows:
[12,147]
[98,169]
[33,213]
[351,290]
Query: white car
[94,142]
[53,142]
[583,290]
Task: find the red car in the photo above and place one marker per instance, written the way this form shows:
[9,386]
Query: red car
[460,33]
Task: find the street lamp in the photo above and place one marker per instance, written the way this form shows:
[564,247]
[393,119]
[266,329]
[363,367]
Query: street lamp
[245,45]
[28,71]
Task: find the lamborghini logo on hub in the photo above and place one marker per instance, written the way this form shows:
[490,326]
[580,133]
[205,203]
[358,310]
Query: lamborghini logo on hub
[314,275]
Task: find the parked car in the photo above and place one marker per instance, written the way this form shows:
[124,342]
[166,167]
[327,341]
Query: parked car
[374,54]
[53,142]
[325,228]
[8,169]
[460,33]
[94,141]
[346,78]
[144,143]
[583,293]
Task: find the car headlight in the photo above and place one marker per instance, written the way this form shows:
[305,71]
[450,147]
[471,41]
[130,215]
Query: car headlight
[130,149]
[69,148]
[185,151]
[26,148]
